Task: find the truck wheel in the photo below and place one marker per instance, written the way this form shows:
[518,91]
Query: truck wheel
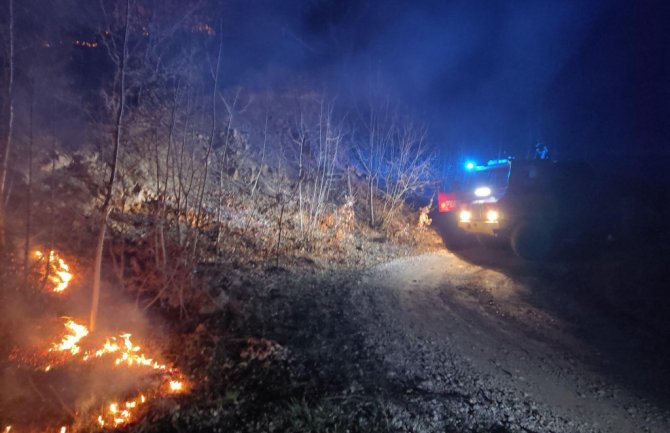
[532,240]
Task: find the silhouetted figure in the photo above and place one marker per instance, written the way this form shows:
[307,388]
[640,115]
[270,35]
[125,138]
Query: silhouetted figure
[541,151]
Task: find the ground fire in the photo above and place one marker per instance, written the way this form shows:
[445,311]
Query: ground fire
[76,349]
[54,270]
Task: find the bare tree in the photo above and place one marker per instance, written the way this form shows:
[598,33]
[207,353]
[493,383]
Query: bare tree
[407,167]
[393,156]
[318,139]
[6,152]
[29,189]
[378,120]
[325,162]
[120,59]
[262,162]
[210,146]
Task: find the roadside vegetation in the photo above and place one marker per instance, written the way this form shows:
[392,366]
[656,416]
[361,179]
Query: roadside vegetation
[219,211]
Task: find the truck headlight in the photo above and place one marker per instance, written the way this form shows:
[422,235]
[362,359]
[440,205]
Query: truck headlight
[465,216]
[492,216]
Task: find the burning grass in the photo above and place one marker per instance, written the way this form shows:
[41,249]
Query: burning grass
[74,379]
[53,270]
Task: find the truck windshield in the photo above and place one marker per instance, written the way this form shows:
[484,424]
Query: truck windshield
[495,178]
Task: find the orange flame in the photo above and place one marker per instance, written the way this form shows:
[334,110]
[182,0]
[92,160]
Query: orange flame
[70,341]
[118,414]
[59,271]
[176,386]
[121,349]
[129,354]
[126,354]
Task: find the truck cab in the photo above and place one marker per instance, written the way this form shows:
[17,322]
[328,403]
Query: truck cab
[477,183]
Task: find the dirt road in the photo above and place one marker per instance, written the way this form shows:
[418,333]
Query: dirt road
[479,349]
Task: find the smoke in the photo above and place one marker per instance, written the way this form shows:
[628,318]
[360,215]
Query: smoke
[46,388]
[485,76]
[479,74]
[583,76]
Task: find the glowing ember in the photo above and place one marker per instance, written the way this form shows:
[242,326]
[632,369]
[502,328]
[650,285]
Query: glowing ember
[176,386]
[69,343]
[8,429]
[120,414]
[63,429]
[58,273]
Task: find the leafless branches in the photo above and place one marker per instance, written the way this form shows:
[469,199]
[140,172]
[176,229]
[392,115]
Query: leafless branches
[6,151]
[392,152]
[120,60]
[318,137]
[174,164]
[407,167]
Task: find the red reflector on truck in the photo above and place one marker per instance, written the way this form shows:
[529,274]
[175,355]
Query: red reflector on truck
[446,202]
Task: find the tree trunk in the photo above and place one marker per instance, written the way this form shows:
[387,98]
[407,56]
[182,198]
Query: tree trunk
[371,193]
[106,207]
[210,146]
[260,168]
[97,270]
[10,131]
[29,194]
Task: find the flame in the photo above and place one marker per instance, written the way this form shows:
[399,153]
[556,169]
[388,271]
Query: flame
[176,386]
[120,414]
[59,271]
[126,354]
[129,354]
[70,341]
[120,351]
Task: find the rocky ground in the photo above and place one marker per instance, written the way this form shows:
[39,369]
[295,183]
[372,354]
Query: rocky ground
[476,355]
[427,342]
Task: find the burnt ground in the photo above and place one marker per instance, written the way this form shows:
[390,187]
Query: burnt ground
[432,341]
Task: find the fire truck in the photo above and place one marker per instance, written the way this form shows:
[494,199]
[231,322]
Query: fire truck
[533,206]
[541,207]
[475,184]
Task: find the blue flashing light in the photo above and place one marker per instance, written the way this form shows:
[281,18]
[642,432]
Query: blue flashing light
[470,165]
[498,161]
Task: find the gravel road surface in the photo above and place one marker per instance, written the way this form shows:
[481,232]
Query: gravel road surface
[472,347]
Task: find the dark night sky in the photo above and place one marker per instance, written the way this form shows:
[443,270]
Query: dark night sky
[585,76]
